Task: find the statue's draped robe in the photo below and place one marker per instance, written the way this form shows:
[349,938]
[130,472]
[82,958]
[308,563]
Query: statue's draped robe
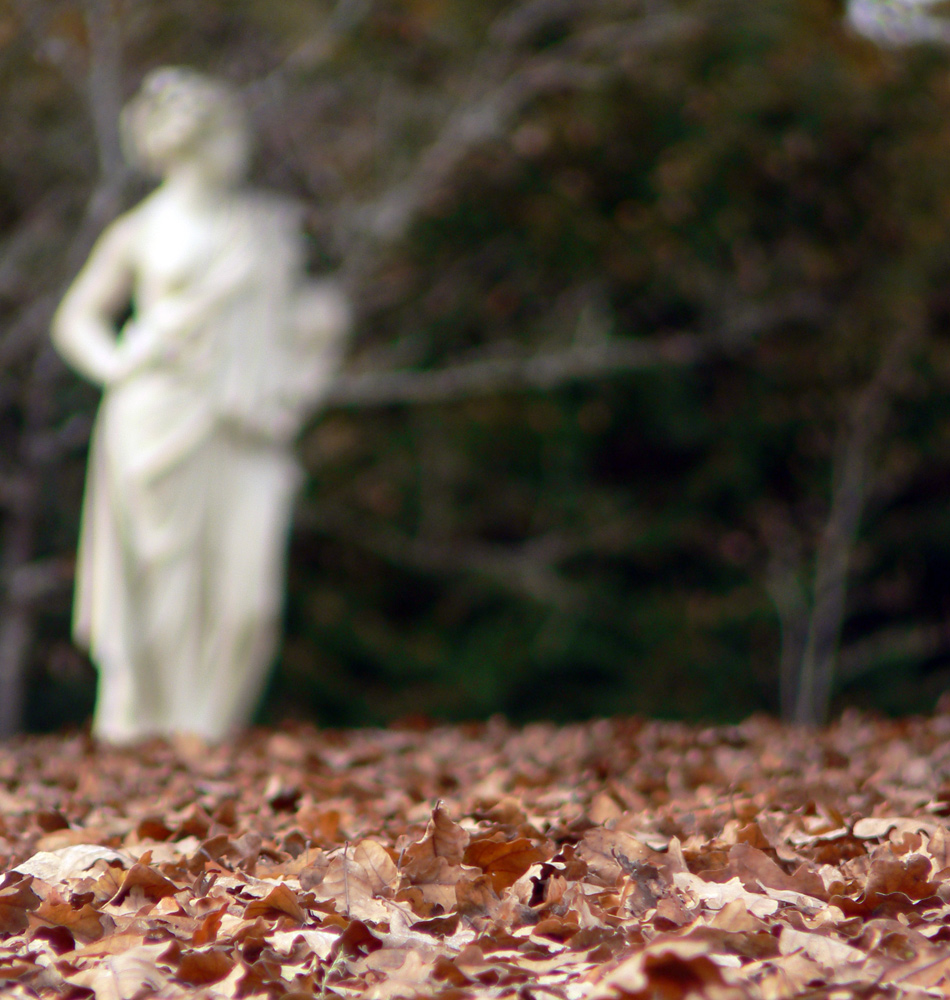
[188,500]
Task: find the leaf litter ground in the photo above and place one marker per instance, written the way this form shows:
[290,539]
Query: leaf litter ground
[618,858]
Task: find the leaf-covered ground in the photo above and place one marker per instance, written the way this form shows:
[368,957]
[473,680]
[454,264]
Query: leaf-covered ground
[612,859]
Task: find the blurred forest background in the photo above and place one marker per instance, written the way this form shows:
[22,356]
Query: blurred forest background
[648,406]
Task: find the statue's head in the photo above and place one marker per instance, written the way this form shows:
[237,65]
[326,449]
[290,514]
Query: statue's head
[180,115]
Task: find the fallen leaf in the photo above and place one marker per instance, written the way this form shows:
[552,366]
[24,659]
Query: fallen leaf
[377,866]
[279,900]
[126,976]
[503,860]
[142,876]
[668,968]
[84,922]
[203,967]
[869,828]
[17,900]
[609,854]
[716,895]
[56,866]
[443,839]
[829,952]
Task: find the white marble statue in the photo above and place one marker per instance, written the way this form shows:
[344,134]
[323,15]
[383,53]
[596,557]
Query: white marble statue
[192,476]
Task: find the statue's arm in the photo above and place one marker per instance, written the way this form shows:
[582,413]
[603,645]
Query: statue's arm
[322,316]
[83,328]
[321,320]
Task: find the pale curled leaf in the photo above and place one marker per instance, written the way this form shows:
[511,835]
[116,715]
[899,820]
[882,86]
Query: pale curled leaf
[377,866]
[126,976]
[56,866]
[829,952]
[716,895]
[869,827]
[350,887]
[320,942]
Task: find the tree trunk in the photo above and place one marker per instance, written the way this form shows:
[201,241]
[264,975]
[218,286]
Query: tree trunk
[852,476]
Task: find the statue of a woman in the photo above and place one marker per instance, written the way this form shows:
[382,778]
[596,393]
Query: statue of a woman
[191,472]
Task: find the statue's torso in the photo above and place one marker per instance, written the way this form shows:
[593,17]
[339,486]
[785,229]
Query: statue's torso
[178,245]
[211,286]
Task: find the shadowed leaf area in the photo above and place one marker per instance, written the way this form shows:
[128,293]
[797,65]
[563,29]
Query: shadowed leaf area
[611,859]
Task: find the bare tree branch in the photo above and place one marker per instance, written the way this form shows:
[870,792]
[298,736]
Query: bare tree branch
[585,359]
[544,370]
[892,645]
[784,585]
[852,474]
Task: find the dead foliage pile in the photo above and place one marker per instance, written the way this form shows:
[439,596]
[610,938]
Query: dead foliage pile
[612,859]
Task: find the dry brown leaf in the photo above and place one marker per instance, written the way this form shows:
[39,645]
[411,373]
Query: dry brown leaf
[203,967]
[716,895]
[84,922]
[17,900]
[152,884]
[869,827]
[61,839]
[113,944]
[749,862]
[735,918]
[503,860]
[350,887]
[609,854]
[443,840]
[667,968]
[377,866]
[476,896]
[17,971]
[405,974]
[207,930]
[791,977]
[280,899]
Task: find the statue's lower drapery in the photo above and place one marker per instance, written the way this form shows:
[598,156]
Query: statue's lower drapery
[180,571]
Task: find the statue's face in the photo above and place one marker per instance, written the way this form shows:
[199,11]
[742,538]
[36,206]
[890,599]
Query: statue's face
[180,116]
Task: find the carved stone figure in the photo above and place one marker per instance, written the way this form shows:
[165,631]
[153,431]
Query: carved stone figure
[192,476]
